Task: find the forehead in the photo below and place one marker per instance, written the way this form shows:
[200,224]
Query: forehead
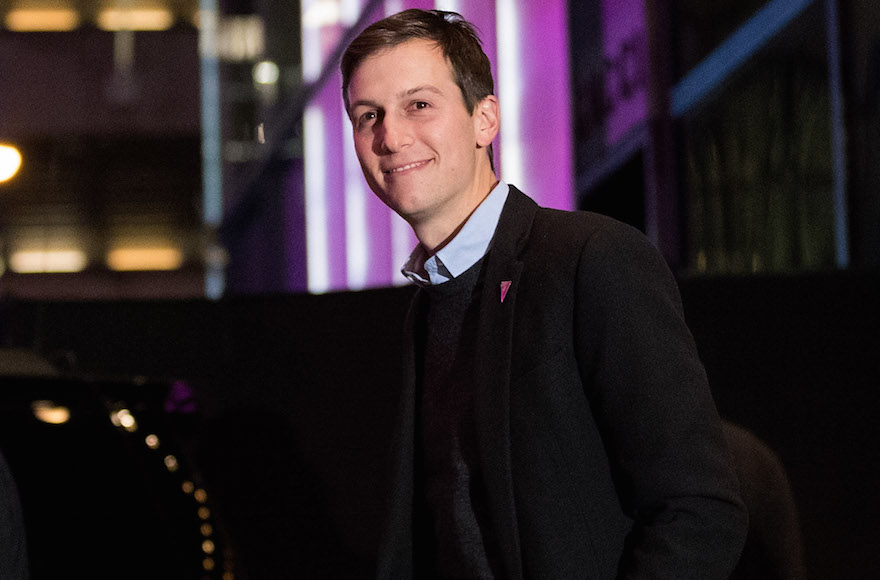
[411,63]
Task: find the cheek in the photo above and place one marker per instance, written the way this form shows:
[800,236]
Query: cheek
[364,152]
[466,137]
[451,139]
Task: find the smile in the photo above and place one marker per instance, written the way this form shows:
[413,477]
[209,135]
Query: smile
[406,167]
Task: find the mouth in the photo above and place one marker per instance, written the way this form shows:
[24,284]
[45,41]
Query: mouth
[407,167]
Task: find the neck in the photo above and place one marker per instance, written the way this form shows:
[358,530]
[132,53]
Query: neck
[433,236]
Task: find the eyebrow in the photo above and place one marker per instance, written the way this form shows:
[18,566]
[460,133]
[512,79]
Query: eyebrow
[419,89]
[401,95]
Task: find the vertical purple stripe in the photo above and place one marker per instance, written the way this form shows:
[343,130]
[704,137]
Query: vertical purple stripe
[422,4]
[334,165]
[379,232]
[624,45]
[546,104]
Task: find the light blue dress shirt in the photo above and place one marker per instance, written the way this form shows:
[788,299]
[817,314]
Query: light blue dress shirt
[465,249]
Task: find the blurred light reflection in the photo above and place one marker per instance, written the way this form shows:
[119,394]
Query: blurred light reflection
[10,162]
[39,261]
[171,463]
[115,19]
[321,13]
[208,547]
[240,38]
[266,73]
[42,19]
[49,412]
[144,259]
[123,418]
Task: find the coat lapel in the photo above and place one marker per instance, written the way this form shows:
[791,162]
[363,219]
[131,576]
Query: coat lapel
[492,373]
[492,403]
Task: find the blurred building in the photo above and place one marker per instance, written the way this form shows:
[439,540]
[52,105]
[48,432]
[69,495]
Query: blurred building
[749,149]
[166,148]
[102,100]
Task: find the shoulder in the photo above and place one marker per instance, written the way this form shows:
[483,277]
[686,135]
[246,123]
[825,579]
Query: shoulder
[575,239]
[586,233]
[605,257]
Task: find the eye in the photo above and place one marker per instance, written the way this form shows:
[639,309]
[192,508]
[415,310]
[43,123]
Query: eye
[366,118]
[419,105]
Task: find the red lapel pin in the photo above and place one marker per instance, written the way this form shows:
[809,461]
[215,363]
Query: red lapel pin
[505,286]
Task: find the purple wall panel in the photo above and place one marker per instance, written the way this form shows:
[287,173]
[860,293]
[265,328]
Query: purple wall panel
[336,214]
[623,31]
[546,103]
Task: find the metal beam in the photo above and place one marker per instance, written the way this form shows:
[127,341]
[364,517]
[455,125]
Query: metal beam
[731,54]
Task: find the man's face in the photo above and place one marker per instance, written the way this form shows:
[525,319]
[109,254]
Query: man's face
[416,141]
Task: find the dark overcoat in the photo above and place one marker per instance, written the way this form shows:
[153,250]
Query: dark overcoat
[598,437]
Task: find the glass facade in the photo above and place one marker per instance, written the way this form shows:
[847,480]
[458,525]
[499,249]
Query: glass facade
[860,22]
[105,203]
[699,27]
[765,116]
[758,180]
[771,150]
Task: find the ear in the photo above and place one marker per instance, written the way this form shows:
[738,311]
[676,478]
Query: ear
[487,120]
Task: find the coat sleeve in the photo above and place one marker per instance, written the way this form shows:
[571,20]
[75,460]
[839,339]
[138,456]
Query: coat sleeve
[658,421]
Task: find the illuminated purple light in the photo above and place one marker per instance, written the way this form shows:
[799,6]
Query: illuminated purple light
[545,115]
[623,45]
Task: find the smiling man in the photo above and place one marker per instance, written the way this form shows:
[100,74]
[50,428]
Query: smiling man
[555,420]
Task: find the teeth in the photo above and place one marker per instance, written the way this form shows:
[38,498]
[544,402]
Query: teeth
[405,167]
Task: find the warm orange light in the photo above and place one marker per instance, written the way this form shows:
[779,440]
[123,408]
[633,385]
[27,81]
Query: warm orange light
[114,19]
[208,547]
[10,162]
[49,412]
[123,418]
[38,261]
[129,259]
[42,19]
[171,463]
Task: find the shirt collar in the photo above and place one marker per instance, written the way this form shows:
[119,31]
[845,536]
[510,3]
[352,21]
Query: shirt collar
[465,249]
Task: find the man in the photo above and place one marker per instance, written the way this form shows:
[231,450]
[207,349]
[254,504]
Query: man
[555,421]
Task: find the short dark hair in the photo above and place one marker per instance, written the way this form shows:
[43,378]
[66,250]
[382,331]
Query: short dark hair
[455,37]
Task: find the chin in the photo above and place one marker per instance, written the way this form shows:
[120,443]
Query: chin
[405,210]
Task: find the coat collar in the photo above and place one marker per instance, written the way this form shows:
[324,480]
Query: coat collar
[491,400]
[514,226]
[492,373]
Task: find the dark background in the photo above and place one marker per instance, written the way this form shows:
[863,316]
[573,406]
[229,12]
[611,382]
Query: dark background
[296,396]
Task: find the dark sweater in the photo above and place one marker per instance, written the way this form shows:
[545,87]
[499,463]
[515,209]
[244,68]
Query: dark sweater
[452,541]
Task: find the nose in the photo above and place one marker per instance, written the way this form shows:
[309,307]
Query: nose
[394,134]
